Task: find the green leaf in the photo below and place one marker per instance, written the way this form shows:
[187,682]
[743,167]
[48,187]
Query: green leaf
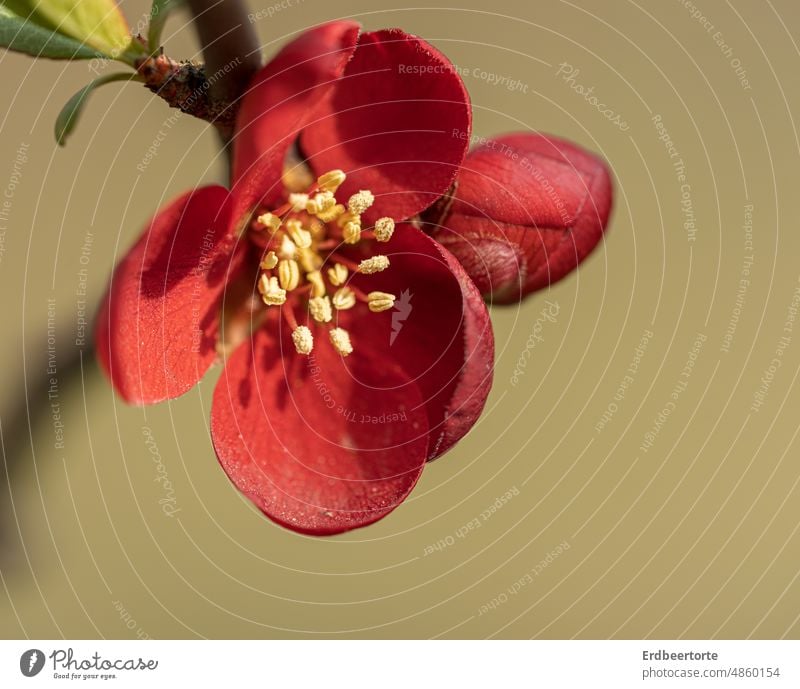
[24,36]
[158,18]
[68,117]
[97,23]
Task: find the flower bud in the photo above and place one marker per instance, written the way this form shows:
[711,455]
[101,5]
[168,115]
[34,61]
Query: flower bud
[525,210]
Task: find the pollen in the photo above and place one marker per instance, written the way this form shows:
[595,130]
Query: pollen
[384,229]
[374,264]
[340,339]
[317,283]
[303,339]
[360,201]
[380,301]
[344,298]
[288,274]
[320,308]
[271,291]
[351,233]
[331,181]
[337,274]
[269,261]
[269,220]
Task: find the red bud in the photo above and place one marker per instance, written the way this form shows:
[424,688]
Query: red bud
[525,210]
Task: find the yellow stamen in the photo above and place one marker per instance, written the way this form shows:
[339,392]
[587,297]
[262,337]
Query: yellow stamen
[351,233]
[309,260]
[337,274]
[320,308]
[269,220]
[298,202]
[384,229]
[347,217]
[317,229]
[344,298]
[288,274]
[321,202]
[332,213]
[331,181]
[271,292]
[303,339]
[340,339]
[301,237]
[380,301]
[317,283]
[269,261]
[360,201]
[374,264]
[287,248]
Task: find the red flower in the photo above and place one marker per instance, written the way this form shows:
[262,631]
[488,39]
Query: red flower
[320,441]
[526,209]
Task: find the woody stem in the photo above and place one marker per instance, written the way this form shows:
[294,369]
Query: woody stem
[232,53]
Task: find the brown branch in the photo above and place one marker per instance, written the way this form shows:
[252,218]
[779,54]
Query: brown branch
[229,42]
[232,53]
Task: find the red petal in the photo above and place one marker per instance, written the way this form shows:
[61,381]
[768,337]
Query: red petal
[439,332]
[281,99]
[390,124]
[528,209]
[319,446]
[157,327]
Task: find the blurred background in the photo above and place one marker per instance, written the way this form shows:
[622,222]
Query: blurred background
[646,457]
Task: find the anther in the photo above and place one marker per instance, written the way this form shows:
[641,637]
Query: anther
[288,274]
[303,339]
[298,202]
[301,237]
[360,201]
[331,181]
[337,274]
[344,298]
[321,202]
[269,220]
[320,308]
[380,301]
[331,213]
[374,264]
[347,217]
[269,261]
[384,229]
[340,339]
[271,292]
[287,249]
[317,283]
[351,233]
[309,260]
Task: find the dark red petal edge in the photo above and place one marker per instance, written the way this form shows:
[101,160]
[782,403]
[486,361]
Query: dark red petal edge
[439,332]
[398,123]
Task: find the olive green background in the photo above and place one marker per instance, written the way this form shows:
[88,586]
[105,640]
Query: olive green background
[696,537]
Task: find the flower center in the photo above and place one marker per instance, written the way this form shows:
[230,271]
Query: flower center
[302,267]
